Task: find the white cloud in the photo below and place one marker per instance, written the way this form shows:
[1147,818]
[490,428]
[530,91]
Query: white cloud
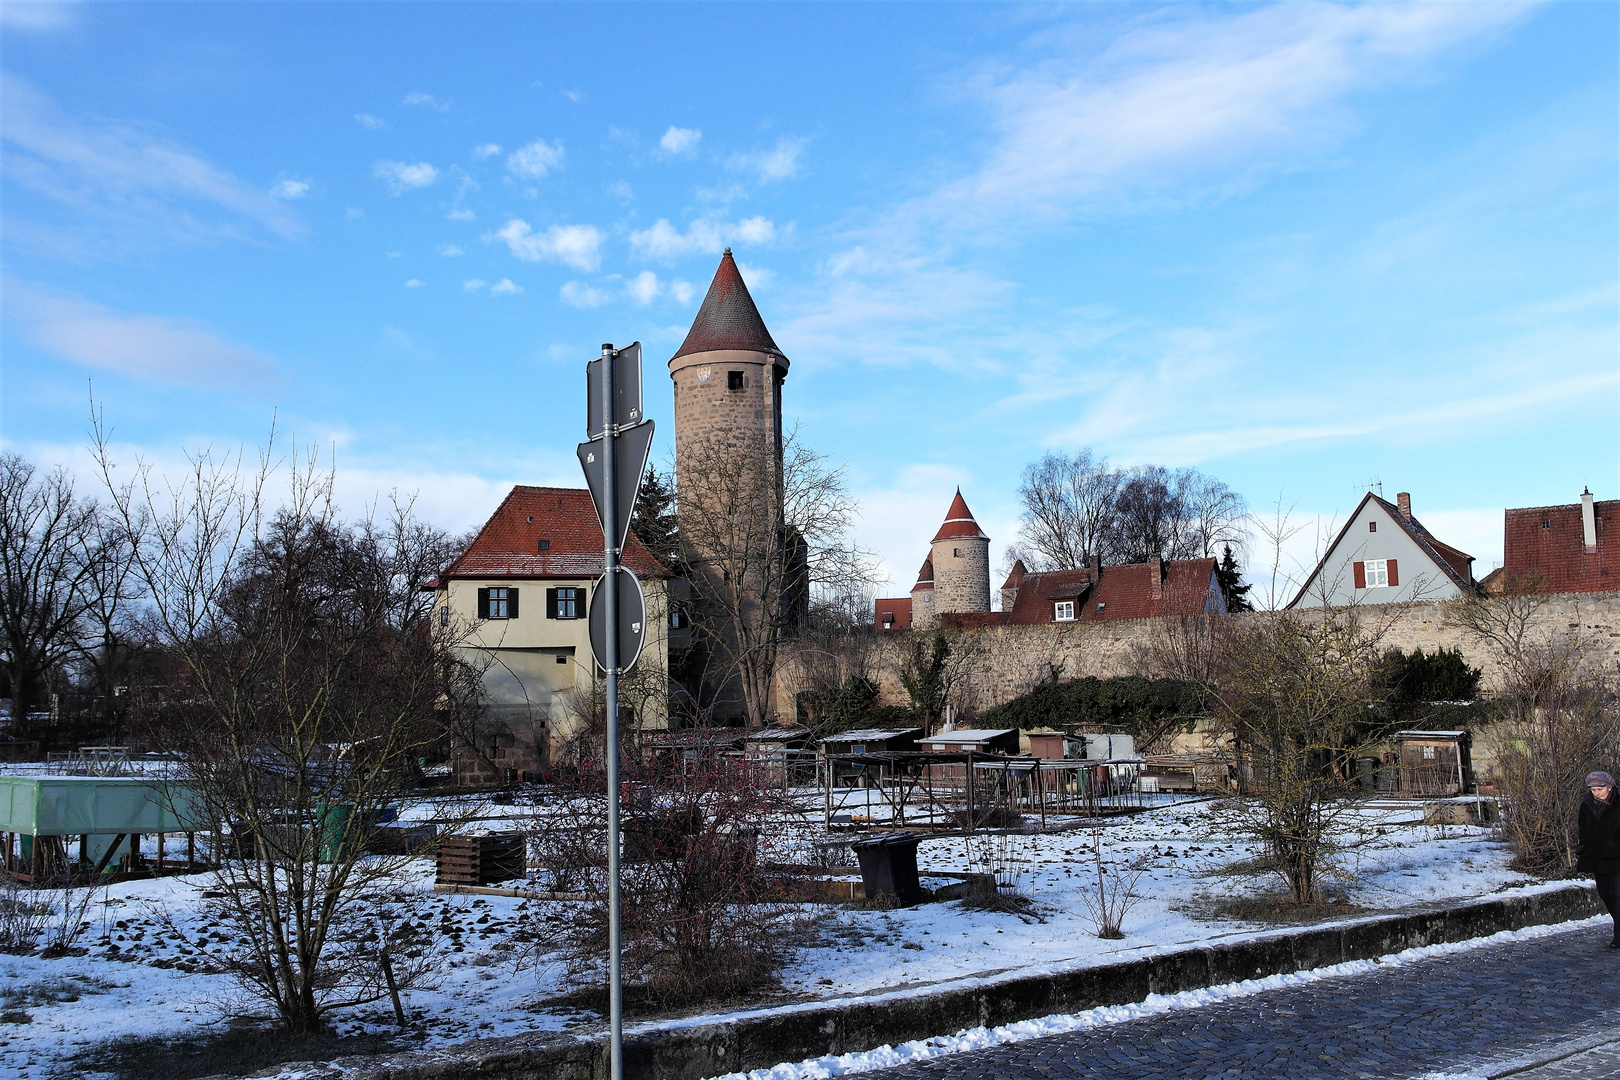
[1193,103]
[45,16]
[780,162]
[402,177]
[473,284]
[534,161]
[450,251]
[426,101]
[758,277]
[354,213]
[146,347]
[413,284]
[620,189]
[461,214]
[664,241]
[505,287]
[290,189]
[679,140]
[484,150]
[682,291]
[375,123]
[578,294]
[574,95]
[579,246]
[643,288]
[122,184]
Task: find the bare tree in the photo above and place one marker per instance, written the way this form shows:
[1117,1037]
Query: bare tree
[761,545]
[1558,717]
[49,562]
[1294,697]
[305,687]
[1070,510]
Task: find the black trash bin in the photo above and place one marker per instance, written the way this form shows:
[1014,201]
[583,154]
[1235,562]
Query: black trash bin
[889,866]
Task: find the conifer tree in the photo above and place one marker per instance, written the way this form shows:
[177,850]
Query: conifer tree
[654,520]
[1230,578]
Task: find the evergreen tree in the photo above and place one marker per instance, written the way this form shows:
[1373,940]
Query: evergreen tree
[654,520]
[1230,578]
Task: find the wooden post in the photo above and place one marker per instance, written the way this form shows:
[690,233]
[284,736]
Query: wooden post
[191,851]
[106,856]
[84,850]
[160,853]
[134,851]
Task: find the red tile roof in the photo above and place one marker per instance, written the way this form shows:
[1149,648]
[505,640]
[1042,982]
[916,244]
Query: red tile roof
[1124,592]
[898,607]
[959,522]
[728,318]
[925,575]
[508,546]
[1553,558]
[1015,577]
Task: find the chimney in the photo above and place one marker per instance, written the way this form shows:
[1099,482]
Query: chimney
[1156,576]
[1404,501]
[1588,522]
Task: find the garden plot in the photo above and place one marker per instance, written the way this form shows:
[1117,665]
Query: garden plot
[140,976]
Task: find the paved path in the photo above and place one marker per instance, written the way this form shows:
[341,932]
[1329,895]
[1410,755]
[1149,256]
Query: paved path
[1499,1010]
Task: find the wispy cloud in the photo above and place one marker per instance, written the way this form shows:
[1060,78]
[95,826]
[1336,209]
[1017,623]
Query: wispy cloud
[473,284]
[579,246]
[461,213]
[450,251]
[780,162]
[152,348]
[679,141]
[413,283]
[484,150]
[578,294]
[290,189]
[665,242]
[403,176]
[41,17]
[505,287]
[643,288]
[536,160]
[420,100]
[124,184]
[374,123]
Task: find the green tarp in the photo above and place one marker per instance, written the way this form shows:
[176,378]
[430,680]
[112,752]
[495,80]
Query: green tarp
[76,805]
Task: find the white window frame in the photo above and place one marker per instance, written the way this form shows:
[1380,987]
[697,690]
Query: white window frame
[1063,611]
[1376,572]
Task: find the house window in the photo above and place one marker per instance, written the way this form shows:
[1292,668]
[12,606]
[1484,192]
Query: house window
[1428,753]
[734,380]
[497,603]
[1063,611]
[1377,573]
[545,545]
[1546,523]
[677,618]
[1372,526]
[565,603]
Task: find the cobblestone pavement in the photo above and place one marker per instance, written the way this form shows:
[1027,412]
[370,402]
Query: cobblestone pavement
[1476,1013]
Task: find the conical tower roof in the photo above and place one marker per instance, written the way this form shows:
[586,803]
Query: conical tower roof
[959,523]
[728,318]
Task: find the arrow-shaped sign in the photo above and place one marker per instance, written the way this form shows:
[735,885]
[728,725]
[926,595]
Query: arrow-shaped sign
[632,450]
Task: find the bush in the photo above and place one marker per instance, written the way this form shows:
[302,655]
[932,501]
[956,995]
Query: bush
[1129,704]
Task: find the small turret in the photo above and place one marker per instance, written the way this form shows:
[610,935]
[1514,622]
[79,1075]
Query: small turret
[961,558]
[922,598]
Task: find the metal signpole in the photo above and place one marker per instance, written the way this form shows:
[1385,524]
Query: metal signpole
[610,662]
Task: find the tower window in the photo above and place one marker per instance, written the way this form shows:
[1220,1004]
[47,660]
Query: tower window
[734,380]
[1372,526]
[545,545]
[956,553]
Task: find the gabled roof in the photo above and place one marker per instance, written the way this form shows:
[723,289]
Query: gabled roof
[1454,564]
[925,575]
[508,546]
[1124,592]
[898,606]
[959,523]
[1015,577]
[728,318]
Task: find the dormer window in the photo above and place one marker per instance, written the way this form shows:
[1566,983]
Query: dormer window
[1101,606]
[545,545]
[1063,611]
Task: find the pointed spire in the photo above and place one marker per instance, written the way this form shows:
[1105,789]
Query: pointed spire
[1015,576]
[728,318]
[959,523]
[925,576]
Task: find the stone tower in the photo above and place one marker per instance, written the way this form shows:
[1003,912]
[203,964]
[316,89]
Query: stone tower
[728,377]
[922,598]
[961,560]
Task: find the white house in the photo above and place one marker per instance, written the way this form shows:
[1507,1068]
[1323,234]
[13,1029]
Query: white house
[1384,555]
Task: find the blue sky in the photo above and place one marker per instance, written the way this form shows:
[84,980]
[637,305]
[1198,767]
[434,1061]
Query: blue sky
[1300,247]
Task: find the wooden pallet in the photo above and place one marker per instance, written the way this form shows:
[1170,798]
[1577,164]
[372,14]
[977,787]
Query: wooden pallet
[481,860]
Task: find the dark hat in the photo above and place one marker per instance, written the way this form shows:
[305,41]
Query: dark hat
[1599,778]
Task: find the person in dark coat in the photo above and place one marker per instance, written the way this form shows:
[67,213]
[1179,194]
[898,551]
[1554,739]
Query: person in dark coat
[1600,843]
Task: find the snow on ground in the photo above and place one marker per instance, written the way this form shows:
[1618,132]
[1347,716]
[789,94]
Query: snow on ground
[134,982]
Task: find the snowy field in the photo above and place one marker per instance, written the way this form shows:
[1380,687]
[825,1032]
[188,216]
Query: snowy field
[135,980]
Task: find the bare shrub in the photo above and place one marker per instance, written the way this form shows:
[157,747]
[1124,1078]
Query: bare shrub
[24,914]
[702,919]
[1557,716]
[1110,896]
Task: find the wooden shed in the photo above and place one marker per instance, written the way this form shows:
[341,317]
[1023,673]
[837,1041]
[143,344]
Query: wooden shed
[1432,764]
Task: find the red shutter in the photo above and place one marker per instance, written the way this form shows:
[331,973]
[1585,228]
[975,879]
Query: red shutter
[1360,570]
[1394,578]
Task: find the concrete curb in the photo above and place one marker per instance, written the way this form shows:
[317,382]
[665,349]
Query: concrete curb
[695,1049]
